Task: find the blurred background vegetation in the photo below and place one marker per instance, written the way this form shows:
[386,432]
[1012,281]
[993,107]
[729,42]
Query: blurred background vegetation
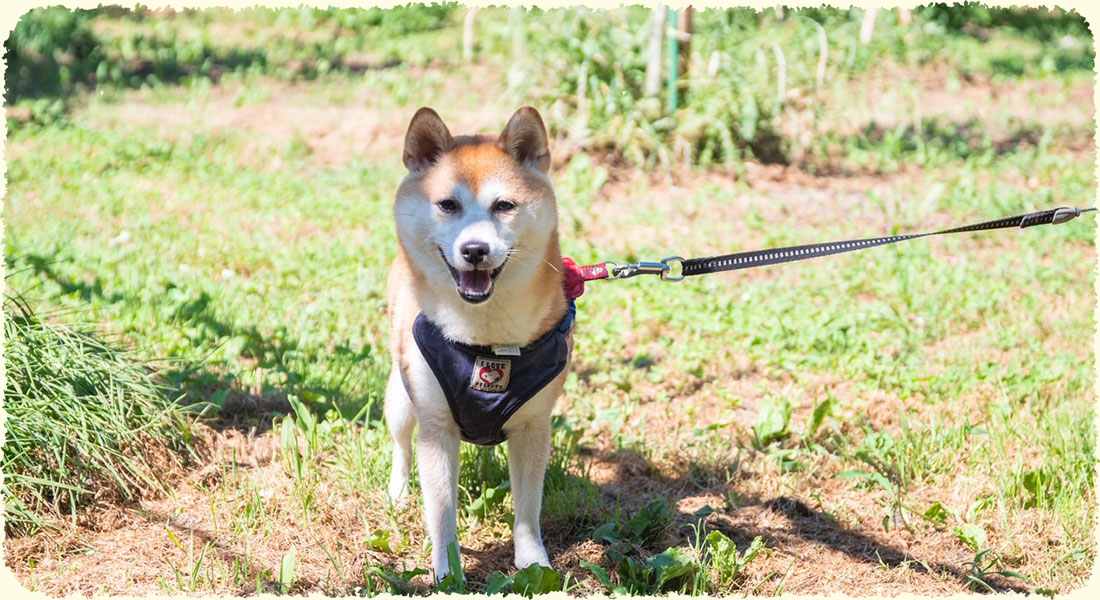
[747,71]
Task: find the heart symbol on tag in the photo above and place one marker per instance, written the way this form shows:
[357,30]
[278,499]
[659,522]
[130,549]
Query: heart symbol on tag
[490,376]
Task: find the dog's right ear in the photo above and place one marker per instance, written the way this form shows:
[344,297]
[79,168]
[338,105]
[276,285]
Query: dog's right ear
[426,140]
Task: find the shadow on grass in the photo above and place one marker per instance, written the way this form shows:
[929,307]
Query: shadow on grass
[635,482]
[933,139]
[254,574]
[80,56]
[274,354]
[960,139]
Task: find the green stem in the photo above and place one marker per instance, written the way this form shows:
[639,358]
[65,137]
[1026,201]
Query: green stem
[673,63]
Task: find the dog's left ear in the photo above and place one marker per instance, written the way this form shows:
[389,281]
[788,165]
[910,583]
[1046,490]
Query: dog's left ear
[525,139]
[426,139]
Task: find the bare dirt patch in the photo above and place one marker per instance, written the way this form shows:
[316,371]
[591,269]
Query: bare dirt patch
[888,98]
[346,122]
[194,538]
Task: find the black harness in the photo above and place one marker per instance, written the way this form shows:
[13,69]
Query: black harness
[484,388]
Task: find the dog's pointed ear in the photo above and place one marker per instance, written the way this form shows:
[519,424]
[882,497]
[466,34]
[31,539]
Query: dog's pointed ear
[525,139]
[426,140]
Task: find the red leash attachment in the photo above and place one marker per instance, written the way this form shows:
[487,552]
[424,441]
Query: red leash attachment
[576,275]
[669,269]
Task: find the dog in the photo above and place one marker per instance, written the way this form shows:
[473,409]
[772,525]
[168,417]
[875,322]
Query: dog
[480,326]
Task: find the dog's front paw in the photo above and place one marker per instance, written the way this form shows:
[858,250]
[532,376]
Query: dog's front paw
[442,562]
[444,574]
[399,490]
[532,555]
[400,495]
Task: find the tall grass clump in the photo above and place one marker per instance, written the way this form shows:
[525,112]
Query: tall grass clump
[86,424]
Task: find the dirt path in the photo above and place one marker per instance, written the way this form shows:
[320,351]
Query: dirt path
[334,124]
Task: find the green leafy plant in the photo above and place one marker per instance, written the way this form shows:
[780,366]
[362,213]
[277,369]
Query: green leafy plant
[984,564]
[725,559]
[772,421]
[384,541]
[455,581]
[288,571]
[384,579]
[822,410]
[528,581]
[936,514]
[972,535]
[646,526]
[672,569]
[491,498]
[536,579]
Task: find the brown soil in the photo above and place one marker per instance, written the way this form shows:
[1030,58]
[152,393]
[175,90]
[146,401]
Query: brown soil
[330,130]
[882,98]
[130,551]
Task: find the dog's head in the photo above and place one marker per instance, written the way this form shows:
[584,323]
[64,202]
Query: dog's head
[476,211]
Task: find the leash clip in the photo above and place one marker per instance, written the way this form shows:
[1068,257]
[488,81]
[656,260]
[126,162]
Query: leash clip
[669,269]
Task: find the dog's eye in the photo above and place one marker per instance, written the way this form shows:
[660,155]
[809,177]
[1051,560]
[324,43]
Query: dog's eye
[503,206]
[447,205]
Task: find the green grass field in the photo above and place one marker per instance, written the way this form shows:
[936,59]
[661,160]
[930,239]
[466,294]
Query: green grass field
[915,418]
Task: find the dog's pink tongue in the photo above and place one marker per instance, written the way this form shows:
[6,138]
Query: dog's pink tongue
[474,282]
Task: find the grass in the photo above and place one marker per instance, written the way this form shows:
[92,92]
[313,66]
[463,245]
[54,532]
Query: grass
[915,417]
[123,427]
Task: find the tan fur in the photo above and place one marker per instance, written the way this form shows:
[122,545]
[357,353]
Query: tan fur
[473,160]
[524,302]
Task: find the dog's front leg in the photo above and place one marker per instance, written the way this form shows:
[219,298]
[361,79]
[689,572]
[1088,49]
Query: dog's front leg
[400,419]
[528,455]
[438,450]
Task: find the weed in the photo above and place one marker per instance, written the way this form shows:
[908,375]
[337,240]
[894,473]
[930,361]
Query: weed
[772,421]
[80,412]
[383,579]
[288,571]
[648,526]
[726,561]
[455,581]
[536,579]
[981,567]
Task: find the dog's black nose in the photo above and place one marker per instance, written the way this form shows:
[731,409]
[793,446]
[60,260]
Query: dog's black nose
[475,252]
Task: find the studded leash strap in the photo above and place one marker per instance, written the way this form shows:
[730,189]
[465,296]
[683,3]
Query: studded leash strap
[676,268]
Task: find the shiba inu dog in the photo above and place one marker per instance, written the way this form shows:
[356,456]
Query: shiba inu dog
[481,329]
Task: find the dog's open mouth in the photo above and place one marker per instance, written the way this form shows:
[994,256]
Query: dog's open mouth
[474,286]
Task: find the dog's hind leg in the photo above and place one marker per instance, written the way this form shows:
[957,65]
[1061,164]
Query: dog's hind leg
[400,419]
[528,455]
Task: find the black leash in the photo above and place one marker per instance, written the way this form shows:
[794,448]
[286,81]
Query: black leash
[675,268]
